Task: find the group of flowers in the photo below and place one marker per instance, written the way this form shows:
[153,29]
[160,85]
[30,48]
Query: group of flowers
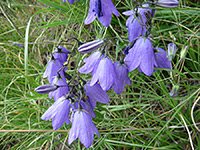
[76,97]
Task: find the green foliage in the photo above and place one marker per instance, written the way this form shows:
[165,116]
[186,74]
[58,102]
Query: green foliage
[144,116]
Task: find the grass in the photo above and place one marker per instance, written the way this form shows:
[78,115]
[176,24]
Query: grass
[144,116]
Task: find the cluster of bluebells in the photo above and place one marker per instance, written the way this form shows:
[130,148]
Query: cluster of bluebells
[75,99]
[73,96]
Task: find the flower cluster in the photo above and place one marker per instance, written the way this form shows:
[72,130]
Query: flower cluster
[78,98]
[73,96]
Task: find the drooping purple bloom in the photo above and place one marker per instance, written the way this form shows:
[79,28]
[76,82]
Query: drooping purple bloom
[70,1]
[102,9]
[59,112]
[86,107]
[122,78]
[62,89]
[161,59]
[61,54]
[82,128]
[44,89]
[53,67]
[135,29]
[91,62]
[96,93]
[141,56]
[105,74]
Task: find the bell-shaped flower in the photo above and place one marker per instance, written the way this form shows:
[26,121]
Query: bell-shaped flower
[122,78]
[82,128]
[53,67]
[91,62]
[59,112]
[105,74]
[90,46]
[167,3]
[44,89]
[102,9]
[161,59]
[141,56]
[96,93]
[86,106]
[62,89]
[61,54]
[135,28]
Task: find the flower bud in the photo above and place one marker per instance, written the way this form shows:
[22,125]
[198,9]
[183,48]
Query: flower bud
[167,3]
[174,91]
[90,46]
[44,89]
[183,52]
[171,51]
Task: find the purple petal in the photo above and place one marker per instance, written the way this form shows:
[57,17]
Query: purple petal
[162,60]
[61,116]
[82,127]
[51,112]
[96,93]
[105,73]
[91,61]
[91,15]
[122,77]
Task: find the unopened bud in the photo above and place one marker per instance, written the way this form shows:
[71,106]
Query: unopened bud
[183,52]
[44,89]
[171,51]
[167,3]
[90,46]
[174,91]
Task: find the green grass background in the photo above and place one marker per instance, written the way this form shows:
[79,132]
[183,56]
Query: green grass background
[144,116]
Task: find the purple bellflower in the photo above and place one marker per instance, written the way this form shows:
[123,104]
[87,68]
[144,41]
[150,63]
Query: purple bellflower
[135,29]
[102,9]
[59,112]
[52,68]
[105,74]
[122,77]
[161,59]
[96,93]
[82,128]
[70,1]
[86,107]
[141,56]
[62,89]
[61,54]
[91,63]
